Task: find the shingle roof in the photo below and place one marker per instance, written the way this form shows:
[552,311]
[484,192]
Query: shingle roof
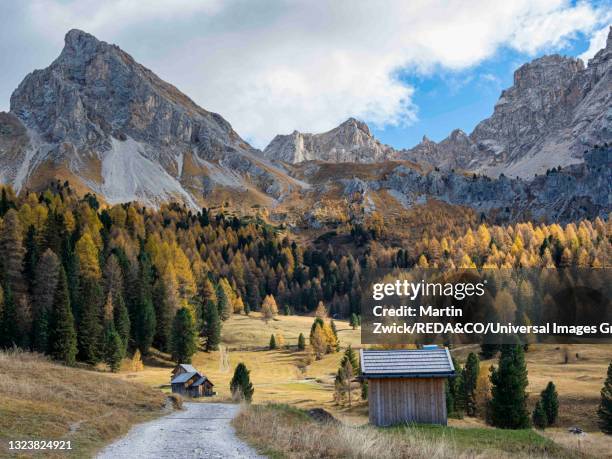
[413,363]
[187,367]
[183,377]
[201,381]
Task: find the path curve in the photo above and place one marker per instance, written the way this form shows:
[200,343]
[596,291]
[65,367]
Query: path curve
[200,430]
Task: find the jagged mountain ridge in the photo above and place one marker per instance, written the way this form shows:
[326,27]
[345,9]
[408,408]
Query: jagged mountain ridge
[556,109]
[108,124]
[349,142]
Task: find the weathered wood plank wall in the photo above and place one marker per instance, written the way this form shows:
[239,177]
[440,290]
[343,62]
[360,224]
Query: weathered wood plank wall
[397,400]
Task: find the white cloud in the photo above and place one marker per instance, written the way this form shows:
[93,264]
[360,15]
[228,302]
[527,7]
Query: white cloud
[597,42]
[274,66]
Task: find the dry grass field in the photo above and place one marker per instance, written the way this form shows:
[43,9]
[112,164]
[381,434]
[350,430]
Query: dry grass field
[42,400]
[281,431]
[282,376]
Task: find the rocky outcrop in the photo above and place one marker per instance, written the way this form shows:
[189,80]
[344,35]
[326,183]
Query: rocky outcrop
[556,110]
[114,126]
[349,142]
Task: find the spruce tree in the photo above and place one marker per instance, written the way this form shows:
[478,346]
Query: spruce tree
[9,332]
[43,292]
[212,327]
[354,321]
[89,329]
[145,326]
[163,317]
[469,381]
[455,386]
[539,416]
[114,350]
[31,257]
[550,403]
[351,357]
[301,342]
[144,313]
[604,413]
[508,389]
[184,336]
[240,385]
[223,303]
[272,344]
[62,334]
[122,321]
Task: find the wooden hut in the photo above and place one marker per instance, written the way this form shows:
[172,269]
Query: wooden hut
[186,380]
[407,385]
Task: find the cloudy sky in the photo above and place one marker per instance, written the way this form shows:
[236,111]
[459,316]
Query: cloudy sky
[408,68]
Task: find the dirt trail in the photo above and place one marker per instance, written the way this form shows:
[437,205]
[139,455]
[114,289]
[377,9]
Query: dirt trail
[200,430]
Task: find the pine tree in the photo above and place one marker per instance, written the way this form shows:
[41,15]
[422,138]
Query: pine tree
[354,322]
[31,257]
[184,336]
[114,350]
[9,332]
[43,292]
[122,321]
[351,357]
[11,247]
[301,342]
[222,303]
[539,416]
[240,385]
[144,314]
[469,381]
[508,389]
[212,327]
[163,317]
[145,326]
[455,393]
[62,335]
[272,344]
[89,329]
[604,412]
[550,403]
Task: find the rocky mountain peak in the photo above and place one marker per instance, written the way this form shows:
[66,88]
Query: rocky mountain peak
[552,70]
[351,141]
[355,124]
[116,128]
[78,43]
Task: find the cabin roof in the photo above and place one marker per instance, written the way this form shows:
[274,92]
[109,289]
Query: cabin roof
[183,377]
[201,381]
[187,367]
[406,363]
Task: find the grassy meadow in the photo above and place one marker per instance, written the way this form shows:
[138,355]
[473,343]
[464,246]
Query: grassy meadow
[288,376]
[43,400]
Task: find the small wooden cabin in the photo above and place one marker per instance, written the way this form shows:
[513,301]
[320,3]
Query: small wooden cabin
[186,380]
[406,386]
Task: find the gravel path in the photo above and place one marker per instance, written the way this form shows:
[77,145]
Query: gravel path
[200,430]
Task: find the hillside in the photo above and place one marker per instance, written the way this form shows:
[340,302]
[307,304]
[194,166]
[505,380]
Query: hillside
[43,400]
